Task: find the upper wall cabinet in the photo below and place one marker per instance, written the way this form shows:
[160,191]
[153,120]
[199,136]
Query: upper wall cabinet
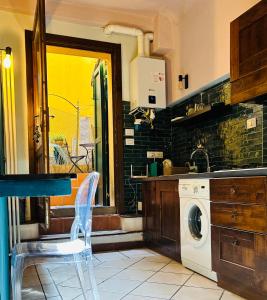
[249,54]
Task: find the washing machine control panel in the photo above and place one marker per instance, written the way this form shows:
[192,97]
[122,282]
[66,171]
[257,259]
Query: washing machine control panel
[196,188]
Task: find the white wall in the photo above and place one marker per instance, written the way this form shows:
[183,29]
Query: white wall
[12,34]
[204,31]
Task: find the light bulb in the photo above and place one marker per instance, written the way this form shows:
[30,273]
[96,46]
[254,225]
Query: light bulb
[7,61]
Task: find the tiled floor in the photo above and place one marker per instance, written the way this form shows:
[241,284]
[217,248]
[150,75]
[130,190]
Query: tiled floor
[139,274]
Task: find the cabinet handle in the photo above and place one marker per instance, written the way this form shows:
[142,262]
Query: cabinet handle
[235,243]
[232,191]
[234,214]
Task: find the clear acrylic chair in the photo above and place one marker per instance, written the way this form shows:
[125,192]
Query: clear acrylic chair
[74,251]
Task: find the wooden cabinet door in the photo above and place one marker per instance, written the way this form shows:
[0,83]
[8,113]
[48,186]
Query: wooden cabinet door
[150,213]
[169,231]
[249,54]
[243,217]
[239,190]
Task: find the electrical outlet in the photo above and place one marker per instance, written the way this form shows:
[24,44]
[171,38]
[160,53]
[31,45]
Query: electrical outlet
[251,123]
[129,142]
[154,154]
[129,132]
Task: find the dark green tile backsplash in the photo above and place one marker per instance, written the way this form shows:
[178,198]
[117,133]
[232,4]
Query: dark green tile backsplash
[222,132]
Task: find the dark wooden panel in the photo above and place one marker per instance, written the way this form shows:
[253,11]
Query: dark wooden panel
[239,190]
[150,212]
[244,217]
[249,54]
[169,233]
[233,253]
[161,217]
[240,260]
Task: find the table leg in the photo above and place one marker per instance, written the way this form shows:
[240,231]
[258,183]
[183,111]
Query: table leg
[4,258]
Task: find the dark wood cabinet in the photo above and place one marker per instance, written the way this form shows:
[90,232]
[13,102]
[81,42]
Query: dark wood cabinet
[162,217]
[249,54]
[239,235]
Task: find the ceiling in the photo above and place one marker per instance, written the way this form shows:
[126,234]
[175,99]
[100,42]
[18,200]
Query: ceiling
[144,7]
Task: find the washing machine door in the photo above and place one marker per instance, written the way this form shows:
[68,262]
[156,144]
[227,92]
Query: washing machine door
[196,222]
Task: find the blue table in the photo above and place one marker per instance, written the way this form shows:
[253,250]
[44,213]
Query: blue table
[33,185]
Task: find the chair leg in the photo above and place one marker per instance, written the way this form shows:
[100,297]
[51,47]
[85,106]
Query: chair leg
[16,276]
[80,274]
[89,264]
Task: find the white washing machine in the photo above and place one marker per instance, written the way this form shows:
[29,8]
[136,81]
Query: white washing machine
[195,226]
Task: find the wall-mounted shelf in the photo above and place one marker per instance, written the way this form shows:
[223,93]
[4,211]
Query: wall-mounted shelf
[208,109]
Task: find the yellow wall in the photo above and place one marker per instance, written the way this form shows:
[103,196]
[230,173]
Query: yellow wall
[69,76]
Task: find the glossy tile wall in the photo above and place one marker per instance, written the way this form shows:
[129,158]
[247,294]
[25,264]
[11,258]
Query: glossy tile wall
[222,131]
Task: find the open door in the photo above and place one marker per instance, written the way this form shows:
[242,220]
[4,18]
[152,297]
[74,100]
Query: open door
[101,133]
[40,106]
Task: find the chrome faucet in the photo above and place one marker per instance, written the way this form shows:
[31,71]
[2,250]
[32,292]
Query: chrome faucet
[200,148]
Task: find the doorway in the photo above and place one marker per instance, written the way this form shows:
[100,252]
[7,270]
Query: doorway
[105,68]
[79,87]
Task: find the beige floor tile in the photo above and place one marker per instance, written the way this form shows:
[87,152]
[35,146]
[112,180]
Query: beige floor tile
[50,290]
[147,266]
[133,297]
[200,281]
[69,293]
[103,296]
[192,293]
[123,263]
[176,268]
[157,258]
[118,286]
[61,276]
[107,256]
[229,296]
[46,279]
[131,274]
[139,253]
[169,278]
[149,289]
[106,272]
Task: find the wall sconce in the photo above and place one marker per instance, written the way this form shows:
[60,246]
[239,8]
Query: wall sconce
[7,59]
[183,81]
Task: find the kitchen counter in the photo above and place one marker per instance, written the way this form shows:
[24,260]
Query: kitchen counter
[216,174]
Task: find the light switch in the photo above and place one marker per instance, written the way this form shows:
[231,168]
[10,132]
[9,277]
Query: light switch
[129,142]
[251,123]
[129,132]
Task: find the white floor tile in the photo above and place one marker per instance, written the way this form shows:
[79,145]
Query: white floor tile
[176,268]
[103,296]
[118,286]
[69,293]
[106,272]
[131,274]
[107,256]
[149,289]
[157,258]
[203,282]
[123,263]
[147,266]
[50,290]
[133,297]
[139,253]
[192,293]
[229,296]
[169,278]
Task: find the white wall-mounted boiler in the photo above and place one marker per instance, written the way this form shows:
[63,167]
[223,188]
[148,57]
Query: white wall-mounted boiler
[147,83]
